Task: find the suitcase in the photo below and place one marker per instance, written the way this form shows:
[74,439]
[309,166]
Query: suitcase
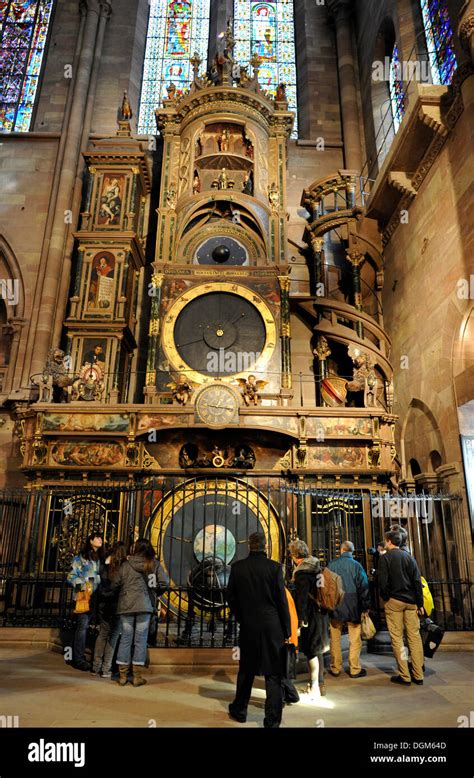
[431,637]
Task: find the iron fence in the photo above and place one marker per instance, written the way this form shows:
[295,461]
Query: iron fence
[199,525]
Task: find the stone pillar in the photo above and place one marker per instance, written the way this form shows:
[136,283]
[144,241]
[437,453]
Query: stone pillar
[340,10]
[356,259]
[285,333]
[322,352]
[105,12]
[154,337]
[317,247]
[51,282]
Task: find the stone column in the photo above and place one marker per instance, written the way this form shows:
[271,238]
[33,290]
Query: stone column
[340,10]
[285,333]
[317,247]
[51,282]
[105,12]
[153,337]
[322,352]
[356,259]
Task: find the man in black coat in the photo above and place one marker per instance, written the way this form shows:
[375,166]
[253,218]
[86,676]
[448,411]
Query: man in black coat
[256,596]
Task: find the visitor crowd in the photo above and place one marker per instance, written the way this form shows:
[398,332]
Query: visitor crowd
[123,589]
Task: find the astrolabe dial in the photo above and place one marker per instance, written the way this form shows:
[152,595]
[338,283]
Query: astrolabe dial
[219,330]
[217,405]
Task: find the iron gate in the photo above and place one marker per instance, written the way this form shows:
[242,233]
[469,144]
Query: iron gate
[199,526]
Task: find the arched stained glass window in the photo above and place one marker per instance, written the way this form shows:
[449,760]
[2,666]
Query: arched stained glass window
[397,94]
[176,30]
[439,40]
[268,30]
[23,32]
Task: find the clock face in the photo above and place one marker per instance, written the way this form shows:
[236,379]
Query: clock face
[220,250]
[218,330]
[217,406]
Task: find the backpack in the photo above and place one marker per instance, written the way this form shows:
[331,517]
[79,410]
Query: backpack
[328,590]
[428,603]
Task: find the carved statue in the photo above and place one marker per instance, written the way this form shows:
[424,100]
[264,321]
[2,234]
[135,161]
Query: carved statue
[364,378]
[55,379]
[171,197]
[251,389]
[223,140]
[244,458]
[281,94]
[182,389]
[196,183]
[223,180]
[171,90]
[274,196]
[248,183]
[126,109]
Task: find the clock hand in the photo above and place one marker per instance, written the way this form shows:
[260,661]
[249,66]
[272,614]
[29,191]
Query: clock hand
[189,343]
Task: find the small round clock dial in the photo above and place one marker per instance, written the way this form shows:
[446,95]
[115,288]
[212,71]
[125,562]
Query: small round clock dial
[217,405]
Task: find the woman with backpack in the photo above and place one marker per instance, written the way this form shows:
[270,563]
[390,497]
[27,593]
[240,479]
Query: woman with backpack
[313,621]
[109,622]
[138,584]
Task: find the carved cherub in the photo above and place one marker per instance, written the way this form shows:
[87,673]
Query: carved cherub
[251,389]
[55,378]
[182,389]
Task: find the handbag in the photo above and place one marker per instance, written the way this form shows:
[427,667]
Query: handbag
[367,630]
[290,661]
[431,636]
[83,601]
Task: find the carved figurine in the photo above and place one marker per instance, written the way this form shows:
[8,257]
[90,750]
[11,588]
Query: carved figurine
[248,183]
[126,109]
[251,389]
[196,183]
[55,379]
[223,140]
[281,94]
[274,196]
[171,90]
[364,378]
[182,390]
[223,180]
[244,458]
[171,197]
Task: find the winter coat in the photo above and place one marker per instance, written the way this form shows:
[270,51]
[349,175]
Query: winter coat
[256,596]
[356,588]
[84,571]
[107,597]
[399,577]
[132,582]
[314,639]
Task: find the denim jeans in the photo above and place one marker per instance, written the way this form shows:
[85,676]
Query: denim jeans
[80,635]
[105,645]
[134,629]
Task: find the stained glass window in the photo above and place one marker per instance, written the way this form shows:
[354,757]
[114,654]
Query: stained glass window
[439,40]
[23,33]
[176,30]
[268,30]
[397,93]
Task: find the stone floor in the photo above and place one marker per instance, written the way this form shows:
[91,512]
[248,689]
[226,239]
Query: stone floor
[42,690]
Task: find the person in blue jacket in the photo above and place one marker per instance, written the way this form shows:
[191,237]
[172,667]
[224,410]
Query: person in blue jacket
[356,601]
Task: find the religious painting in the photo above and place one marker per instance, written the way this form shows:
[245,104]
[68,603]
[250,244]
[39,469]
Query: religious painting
[338,456]
[86,422]
[263,32]
[147,422]
[320,428]
[82,454]
[101,289]
[111,200]
[94,352]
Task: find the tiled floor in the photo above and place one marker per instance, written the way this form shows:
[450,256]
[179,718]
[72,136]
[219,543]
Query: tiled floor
[43,691]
